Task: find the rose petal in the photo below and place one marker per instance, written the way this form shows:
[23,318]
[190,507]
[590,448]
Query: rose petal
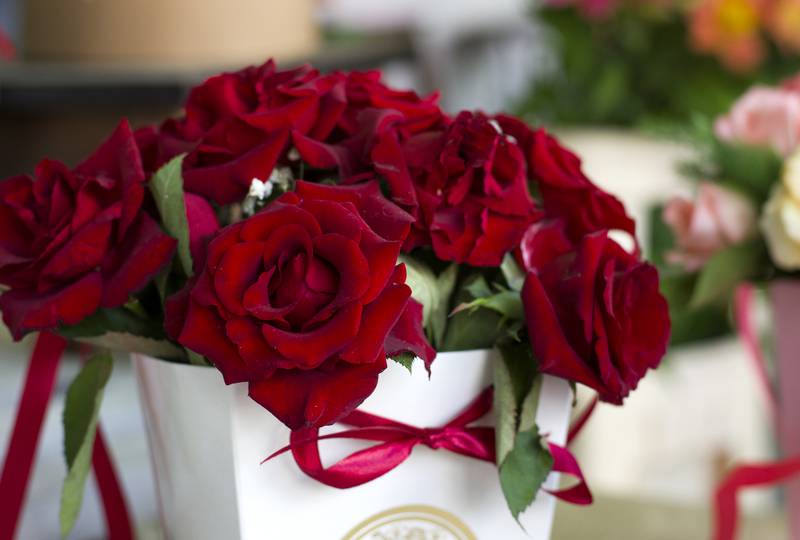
[318,397]
[310,349]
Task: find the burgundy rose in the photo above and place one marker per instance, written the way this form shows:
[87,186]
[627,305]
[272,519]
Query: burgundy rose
[72,241]
[371,133]
[472,190]
[239,126]
[565,190]
[304,301]
[594,312]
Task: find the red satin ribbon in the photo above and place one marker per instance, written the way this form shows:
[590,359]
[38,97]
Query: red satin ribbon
[742,310]
[582,419]
[397,440]
[39,383]
[750,475]
[118,521]
[37,391]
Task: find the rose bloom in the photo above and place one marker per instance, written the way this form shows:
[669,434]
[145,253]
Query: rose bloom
[304,301]
[593,311]
[240,126]
[780,220]
[764,116]
[567,193]
[716,219]
[72,241]
[471,185]
[730,30]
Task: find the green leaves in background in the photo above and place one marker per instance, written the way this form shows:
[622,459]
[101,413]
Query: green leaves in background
[690,324]
[434,293]
[523,460]
[80,423]
[167,188]
[699,302]
[749,169]
[724,271]
[620,70]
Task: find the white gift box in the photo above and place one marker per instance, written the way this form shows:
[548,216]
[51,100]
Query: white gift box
[207,441]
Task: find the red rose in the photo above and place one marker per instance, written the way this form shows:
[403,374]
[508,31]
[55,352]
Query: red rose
[566,192]
[472,191]
[594,313]
[72,241]
[304,301]
[371,132]
[239,126]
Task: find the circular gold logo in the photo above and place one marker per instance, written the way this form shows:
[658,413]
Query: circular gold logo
[417,522]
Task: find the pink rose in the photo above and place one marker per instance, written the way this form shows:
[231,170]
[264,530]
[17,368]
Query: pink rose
[763,117]
[718,218]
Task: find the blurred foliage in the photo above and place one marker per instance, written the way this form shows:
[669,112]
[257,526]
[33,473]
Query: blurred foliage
[631,69]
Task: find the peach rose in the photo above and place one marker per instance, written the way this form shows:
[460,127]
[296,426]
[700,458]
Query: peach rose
[718,218]
[763,117]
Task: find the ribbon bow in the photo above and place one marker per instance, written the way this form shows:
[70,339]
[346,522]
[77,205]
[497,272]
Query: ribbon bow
[397,440]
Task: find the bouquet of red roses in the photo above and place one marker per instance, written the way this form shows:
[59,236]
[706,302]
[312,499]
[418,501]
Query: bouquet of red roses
[298,231]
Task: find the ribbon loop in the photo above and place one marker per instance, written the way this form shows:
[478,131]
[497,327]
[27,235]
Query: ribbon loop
[397,440]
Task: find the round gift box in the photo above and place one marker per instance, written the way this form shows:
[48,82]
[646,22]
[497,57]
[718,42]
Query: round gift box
[185,33]
[207,441]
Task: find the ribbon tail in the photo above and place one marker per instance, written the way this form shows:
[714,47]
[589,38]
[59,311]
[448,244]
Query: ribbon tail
[22,447]
[565,462]
[742,307]
[580,422]
[743,476]
[114,504]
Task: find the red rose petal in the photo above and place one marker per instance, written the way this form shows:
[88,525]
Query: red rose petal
[237,271]
[204,332]
[318,397]
[25,311]
[310,349]
[145,251]
[377,320]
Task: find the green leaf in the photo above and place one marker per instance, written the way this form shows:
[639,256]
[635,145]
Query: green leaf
[479,288]
[433,292]
[515,276]
[104,320]
[445,284]
[527,413]
[124,342]
[751,169]
[524,470]
[515,373]
[466,331]
[661,238]
[167,188]
[505,410]
[724,271]
[81,410]
[197,359]
[405,359]
[506,303]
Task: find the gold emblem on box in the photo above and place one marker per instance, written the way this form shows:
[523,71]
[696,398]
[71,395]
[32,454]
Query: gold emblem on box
[415,522]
